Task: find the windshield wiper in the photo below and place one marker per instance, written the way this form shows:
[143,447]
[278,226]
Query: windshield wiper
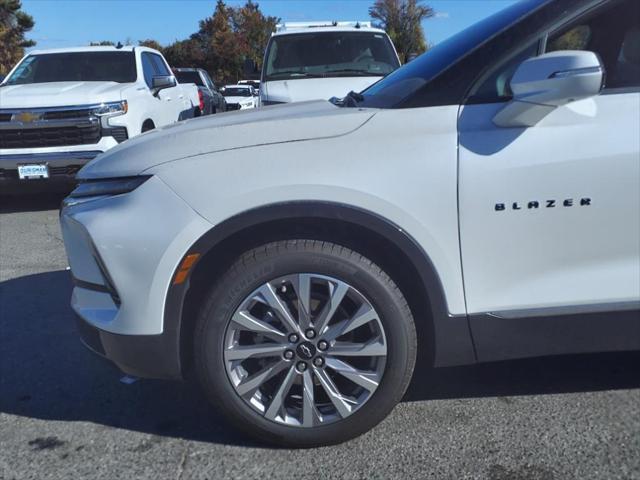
[354,71]
[293,73]
[351,100]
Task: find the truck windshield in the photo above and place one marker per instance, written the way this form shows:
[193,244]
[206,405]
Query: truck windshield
[329,54]
[189,77]
[236,92]
[117,67]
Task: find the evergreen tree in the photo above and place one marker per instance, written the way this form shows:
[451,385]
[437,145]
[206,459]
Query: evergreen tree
[14,24]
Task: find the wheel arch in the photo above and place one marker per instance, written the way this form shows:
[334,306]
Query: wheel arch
[446,338]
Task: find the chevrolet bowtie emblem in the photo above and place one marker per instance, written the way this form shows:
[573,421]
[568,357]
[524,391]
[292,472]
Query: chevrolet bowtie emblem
[26,117]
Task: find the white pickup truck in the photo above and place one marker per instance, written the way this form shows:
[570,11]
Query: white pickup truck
[61,108]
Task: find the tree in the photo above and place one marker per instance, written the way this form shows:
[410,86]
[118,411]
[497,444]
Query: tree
[14,24]
[222,51]
[402,20]
[150,43]
[253,30]
[102,43]
[185,53]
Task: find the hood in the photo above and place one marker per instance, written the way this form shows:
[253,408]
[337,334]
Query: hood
[59,94]
[300,90]
[226,131]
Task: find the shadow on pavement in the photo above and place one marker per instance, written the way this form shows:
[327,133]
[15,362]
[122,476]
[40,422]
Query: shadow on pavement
[31,202]
[45,373]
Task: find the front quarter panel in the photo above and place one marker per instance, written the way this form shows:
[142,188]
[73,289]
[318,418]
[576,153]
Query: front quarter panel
[400,165]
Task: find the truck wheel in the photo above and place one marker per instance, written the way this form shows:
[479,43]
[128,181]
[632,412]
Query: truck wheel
[304,343]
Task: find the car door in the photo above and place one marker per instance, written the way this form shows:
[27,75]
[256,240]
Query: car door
[549,214]
[172,99]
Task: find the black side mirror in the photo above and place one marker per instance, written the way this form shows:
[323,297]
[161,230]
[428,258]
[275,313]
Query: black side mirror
[161,82]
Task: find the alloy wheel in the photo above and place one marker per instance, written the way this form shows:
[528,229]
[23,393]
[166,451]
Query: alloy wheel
[305,350]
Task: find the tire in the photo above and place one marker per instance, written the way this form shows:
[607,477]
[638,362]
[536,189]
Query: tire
[329,269]
[147,126]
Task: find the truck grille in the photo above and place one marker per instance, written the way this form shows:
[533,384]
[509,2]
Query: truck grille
[50,137]
[233,106]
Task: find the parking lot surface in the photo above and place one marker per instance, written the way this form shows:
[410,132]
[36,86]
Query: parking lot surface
[64,413]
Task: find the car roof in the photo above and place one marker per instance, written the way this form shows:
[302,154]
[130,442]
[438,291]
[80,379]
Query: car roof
[108,48]
[289,28]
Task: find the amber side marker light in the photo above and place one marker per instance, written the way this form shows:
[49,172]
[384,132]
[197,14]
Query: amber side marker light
[185,267]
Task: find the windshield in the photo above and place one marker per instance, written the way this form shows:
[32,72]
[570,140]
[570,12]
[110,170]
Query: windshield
[189,77]
[402,83]
[236,92]
[330,54]
[75,67]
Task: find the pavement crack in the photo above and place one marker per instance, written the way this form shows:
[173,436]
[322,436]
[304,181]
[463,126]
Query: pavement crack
[183,462]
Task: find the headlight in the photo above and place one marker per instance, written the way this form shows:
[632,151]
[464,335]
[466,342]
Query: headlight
[107,187]
[111,108]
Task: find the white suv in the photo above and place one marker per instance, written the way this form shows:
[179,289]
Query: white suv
[480,203]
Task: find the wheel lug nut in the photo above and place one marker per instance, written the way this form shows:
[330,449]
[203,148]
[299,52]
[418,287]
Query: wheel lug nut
[318,361]
[293,338]
[288,354]
[301,366]
[310,333]
[323,345]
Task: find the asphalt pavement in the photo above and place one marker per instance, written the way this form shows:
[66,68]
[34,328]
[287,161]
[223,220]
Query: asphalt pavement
[65,415]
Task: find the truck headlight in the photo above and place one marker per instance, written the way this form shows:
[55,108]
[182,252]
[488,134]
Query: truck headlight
[111,109]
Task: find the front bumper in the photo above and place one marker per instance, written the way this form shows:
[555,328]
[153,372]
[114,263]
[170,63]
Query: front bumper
[62,167]
[123,251]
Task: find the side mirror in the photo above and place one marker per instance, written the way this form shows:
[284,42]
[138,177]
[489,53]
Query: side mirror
[161,82]
[541,84]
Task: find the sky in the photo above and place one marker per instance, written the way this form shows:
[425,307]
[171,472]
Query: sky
[65,23]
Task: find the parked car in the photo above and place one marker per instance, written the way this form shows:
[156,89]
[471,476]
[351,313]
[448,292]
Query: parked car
[309,61]
[240,97]
[61,108]
[254,83]
[300,270]
[211,99]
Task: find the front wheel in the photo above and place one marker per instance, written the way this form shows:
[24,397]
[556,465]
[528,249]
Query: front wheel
[304,343]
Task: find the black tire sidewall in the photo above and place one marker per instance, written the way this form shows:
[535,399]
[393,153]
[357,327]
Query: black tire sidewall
[361,274]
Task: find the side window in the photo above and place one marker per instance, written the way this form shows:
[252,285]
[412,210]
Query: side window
[612,33]
[161,67]
[148,69]
[209,82]
[494,85]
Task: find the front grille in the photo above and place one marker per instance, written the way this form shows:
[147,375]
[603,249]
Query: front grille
[233,106]
[50,137]
[119,133]
[69,170]
[8,174]
[66,114]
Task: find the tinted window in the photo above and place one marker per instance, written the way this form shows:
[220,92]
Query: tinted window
[612,33]
[148,69]
[404,82]
[236,92]
[189,77]
[494,86]
[161,67]
[76,67]
[329,54]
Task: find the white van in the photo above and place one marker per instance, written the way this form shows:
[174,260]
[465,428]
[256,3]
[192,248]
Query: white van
[309,61]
